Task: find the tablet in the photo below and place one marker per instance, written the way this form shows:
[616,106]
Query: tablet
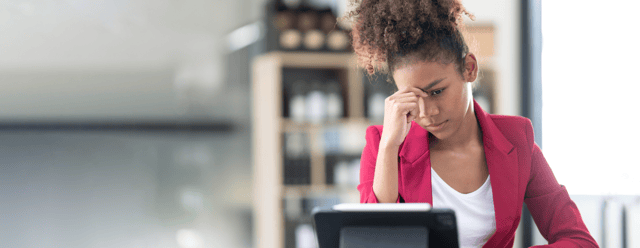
[382,207]
[403,224]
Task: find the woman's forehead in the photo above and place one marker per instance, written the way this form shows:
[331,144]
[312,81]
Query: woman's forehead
[422,73]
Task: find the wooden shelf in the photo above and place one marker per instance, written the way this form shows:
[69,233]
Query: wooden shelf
[292,126]
[270,125]
[314,60]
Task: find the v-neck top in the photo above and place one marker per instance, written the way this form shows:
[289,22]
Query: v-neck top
[475,214]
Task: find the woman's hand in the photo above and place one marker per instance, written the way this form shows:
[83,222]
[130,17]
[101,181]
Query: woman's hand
[399,110]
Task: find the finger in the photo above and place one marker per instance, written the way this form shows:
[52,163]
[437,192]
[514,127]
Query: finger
[421,110]
[402,94]
[410,97]
[413,113]
[410,118]
[415,90]
[406,108]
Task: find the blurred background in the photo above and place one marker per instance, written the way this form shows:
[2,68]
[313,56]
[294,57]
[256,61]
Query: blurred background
[223,123]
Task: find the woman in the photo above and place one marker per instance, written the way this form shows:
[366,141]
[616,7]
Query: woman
[438,146]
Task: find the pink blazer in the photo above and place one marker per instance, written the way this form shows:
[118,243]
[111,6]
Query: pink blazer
[519,173]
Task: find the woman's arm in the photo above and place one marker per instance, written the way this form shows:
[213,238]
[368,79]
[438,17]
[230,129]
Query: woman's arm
[385,180]
[372,157]
[553,211]
[379,161]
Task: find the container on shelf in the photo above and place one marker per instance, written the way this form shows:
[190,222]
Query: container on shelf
[334,104]
[297,164]
[331,137]
[297,102]
[376,89]
[302,27]
[315,103]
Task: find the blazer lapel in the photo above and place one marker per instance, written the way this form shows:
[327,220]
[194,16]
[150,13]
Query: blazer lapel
[502,161]
[414,174]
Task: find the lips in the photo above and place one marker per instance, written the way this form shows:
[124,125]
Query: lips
[436,127]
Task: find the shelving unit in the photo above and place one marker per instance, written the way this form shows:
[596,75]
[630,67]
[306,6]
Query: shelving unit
[271,193]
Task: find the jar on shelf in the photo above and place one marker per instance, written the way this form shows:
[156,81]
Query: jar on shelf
[297,103]
[307,20]
[284,20]
[327,21]
[375,104]
[337,40]
[341,174]
[295,145]
[334,101]
[296,168]
[290,39]
[315,103]
[314,39]
[332,140]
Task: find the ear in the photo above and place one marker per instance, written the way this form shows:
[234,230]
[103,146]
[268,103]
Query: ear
[470,68]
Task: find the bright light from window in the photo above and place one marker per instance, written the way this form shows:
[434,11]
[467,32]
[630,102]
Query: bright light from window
[590,115]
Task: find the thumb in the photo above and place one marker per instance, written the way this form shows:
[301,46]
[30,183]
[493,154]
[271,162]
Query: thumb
[407,129]
[412,115]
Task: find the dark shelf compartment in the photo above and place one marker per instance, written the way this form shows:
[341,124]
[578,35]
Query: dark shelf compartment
[292,75]
[297,171]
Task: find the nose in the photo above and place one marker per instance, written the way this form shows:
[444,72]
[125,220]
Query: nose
[427,109]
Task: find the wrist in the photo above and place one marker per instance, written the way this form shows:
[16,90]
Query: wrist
[388,146]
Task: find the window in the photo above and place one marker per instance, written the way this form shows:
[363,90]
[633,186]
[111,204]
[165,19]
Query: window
[590,95]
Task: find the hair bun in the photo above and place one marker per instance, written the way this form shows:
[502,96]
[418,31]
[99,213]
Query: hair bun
[388,29]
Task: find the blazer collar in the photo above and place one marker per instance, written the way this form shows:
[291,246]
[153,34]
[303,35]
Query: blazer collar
[502,162]
[416,143]
[490,132]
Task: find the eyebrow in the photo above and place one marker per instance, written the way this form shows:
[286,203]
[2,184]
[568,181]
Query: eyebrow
[437,81]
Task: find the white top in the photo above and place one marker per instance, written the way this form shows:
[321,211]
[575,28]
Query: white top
[475,215]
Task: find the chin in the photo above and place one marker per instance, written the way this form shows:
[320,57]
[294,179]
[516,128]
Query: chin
[440,136]
[439,133]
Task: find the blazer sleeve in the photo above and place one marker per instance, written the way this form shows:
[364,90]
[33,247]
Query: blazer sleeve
[553,211]
[368,166]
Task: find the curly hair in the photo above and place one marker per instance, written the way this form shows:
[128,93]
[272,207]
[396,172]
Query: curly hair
[391,33]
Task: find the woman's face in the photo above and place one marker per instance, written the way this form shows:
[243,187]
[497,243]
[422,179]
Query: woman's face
[449,104]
